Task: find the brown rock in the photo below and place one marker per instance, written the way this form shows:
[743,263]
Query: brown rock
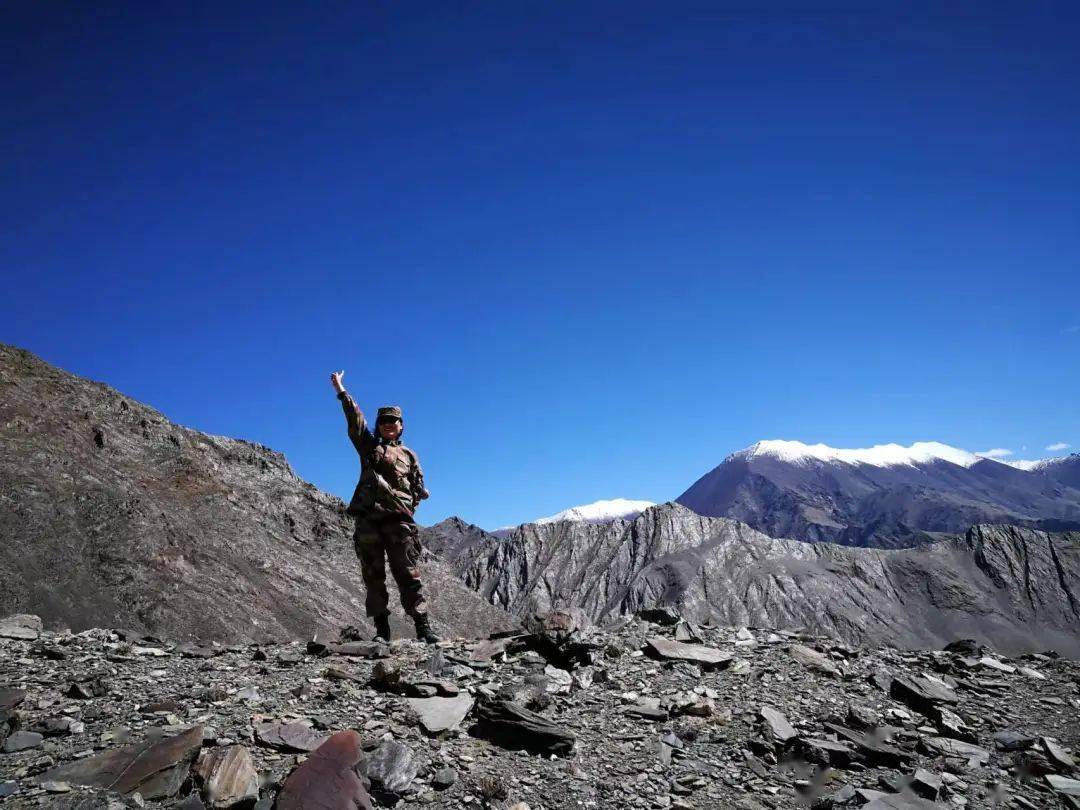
[156,770]
[328,779]
[228,776]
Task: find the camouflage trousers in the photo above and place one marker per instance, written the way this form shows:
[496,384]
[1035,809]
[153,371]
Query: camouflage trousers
[382,538]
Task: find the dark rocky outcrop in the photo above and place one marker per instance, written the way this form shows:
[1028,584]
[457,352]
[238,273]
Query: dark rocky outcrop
[1014,589]
[514,727]
[113,516]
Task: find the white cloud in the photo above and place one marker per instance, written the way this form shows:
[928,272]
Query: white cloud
[1058,446]
[997,452]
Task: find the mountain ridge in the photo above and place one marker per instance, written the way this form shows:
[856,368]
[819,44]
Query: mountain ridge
[114,516]
[887,496]
[1014,588]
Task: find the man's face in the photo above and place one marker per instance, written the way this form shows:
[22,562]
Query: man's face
[390,429]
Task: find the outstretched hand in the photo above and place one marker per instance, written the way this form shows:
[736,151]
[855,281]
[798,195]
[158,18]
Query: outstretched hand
[335,380]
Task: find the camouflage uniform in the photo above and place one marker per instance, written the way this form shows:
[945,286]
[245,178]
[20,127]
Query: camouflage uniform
[390,488]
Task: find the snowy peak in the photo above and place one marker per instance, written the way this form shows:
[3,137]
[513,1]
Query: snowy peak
[600,511]
[888,495]
[880,455]
[1042,464]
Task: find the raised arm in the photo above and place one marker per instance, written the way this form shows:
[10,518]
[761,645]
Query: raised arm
[359,434]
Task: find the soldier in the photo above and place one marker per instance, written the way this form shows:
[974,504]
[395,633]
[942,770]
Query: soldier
[390,488]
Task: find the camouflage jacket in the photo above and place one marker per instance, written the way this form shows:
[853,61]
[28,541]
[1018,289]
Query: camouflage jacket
[391,481]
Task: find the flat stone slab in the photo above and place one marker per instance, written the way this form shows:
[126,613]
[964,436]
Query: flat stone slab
[360,649]
[21,626]
[1063,785]
[22,741]
[1058,755]
[948,747]
[10,698]
[812,659]
[823,752]
[154,769]
[899,801]
[777,724]
[871,746]
[992,663]
[487,650]
[289,736]
[439,714]
[647,713]
[921,694]
[192,650]
[677,651]
[1013,741]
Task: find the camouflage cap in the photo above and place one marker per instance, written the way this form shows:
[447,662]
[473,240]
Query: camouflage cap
[389,412]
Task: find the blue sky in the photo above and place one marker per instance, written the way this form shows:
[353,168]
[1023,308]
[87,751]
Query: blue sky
[591,248]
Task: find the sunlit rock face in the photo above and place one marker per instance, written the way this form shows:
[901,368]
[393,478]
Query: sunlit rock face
[1014,588]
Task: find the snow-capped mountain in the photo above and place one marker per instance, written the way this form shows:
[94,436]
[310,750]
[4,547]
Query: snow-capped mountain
[1065,469]
[600,511]
[887,495]
[596,512]
[880,455]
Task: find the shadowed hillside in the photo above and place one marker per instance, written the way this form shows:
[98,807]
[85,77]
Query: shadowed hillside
[112,516]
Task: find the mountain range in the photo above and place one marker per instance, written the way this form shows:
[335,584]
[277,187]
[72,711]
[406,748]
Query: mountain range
[1017,589]
[113,516]
[886,496]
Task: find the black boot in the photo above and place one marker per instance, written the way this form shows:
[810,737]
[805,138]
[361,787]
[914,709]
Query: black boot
[424,631]
[382,628]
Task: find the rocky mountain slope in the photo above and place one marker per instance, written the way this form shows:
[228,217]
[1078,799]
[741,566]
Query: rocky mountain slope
[562,717]
[110,515]
[1016,588]
[886,496]
[1065,470]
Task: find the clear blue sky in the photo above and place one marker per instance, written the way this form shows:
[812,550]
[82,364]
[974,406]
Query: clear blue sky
[591,248]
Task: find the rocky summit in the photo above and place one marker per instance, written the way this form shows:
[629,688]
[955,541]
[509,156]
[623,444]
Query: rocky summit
[111,515]
[646,713]
[1015,588]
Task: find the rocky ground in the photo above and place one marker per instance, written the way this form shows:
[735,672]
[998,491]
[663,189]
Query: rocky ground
[651,713]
